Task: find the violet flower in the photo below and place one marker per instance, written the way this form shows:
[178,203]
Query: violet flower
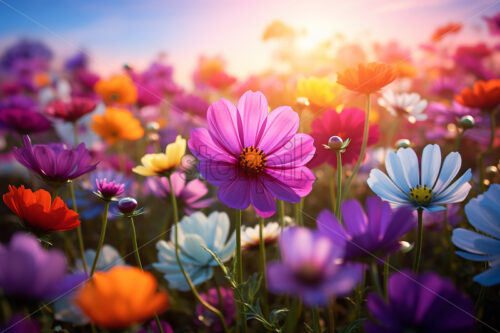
[192,104]
[312,268]
[209,319]
[29,271]
[367,237]
[188,193]
[24,122]
[420,303]
[55,163]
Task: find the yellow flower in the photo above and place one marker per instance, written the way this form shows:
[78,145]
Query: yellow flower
[117,124]
[117,90]
[161,164]
[320,92]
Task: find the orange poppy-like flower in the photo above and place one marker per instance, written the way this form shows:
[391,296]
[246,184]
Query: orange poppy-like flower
[38,212]
[121,297]
[450,28]
[117,90]
[367,78]
[117,124]
[483,95]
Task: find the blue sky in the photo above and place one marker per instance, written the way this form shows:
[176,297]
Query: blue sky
[114,32]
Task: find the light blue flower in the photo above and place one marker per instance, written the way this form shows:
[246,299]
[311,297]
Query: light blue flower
[195,231]
[64,308]
[483,213]
[430,187]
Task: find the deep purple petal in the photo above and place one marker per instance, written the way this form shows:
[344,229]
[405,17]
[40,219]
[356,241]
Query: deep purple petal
[235,194]
[354,217]
[261,199]
[329,225]
[218,173]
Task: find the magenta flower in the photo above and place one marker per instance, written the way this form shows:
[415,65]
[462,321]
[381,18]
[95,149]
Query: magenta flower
[493,23]
[23,121]
[109,189]
[71,111]
[189,193]
[228,308]
[55,163]
[252,155]
[191,104]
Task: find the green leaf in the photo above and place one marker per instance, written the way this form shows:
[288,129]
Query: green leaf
[352,327]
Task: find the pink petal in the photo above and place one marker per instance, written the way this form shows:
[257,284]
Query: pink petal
[252,115]
[296,152]
[204,148]
[282,124]
[222,123]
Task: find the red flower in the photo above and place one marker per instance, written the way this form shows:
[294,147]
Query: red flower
[483,95]
[441,32]
[71,111]
[347,124]
[37,210]
[367,78]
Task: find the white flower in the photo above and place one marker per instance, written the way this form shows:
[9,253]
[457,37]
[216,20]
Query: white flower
[250,235]
[411,106]
[195,232]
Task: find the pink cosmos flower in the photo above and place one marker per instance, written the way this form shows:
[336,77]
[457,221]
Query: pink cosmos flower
[348,124]
[252,155]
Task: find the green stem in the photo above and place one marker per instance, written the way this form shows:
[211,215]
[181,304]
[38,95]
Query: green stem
[360,294]
[331,186]
[460,134]
[81,247]
[181,266]
[297,213]
[316,324]
[418,246]
[166,225]
[75,133]
[134,243]
[339,185]
[281,212]
[262,252]
[375,280]
[487,151]
[363,148]
[239,269]
[101,237]
[386,277]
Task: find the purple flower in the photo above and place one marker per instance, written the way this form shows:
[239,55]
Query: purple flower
[29,271]
[19,102]
[24,53]
[228,308]
[434,221]
[189,193]
[24,122]
[493,23]
[20,323]
[252,155]
[422,303]
[443,114]
[77,61]
[191,104]
[369,236]
[109,189]
[446,86]
[54,162]
[154,328]
[311,268]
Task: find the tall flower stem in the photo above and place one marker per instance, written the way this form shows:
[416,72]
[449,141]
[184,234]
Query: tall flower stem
[139,264]
[487,151]
[375,280]
[101,237]
[316,324]
[297,213]
[418,246]
[181,266]
[332,188]
[281,213]
[386,277]
[262,252]
[460,134]
[363,148]
[239,269]
[339,185]
[75,133]
[81,247]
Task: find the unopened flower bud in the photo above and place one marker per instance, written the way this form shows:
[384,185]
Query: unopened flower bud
[466,122]
[403,143]
[127,205]
[335,142]
[153,126]
[491,171]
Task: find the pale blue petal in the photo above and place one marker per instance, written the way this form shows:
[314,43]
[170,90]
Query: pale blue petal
[220,230]
[473,257]
[409,160]
[386,189]
[434,208]
[468,240]
[484,216]
[489,278]
[431,163]
[451,166]
[193,247]
[456,192]
[395,171]
[228,251]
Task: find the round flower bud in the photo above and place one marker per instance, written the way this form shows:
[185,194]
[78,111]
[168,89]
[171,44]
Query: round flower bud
[491,171]
[335,142]
[153,126]
[466,122]
[127,205]
[403,143]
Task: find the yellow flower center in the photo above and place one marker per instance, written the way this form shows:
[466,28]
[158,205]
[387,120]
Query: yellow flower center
[421,194]
[252,159]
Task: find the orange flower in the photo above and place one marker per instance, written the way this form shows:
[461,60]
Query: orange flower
[450,28]
[117,124]
[117,90]
[483,95]
[38,211]
[367,78]
[121,297]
